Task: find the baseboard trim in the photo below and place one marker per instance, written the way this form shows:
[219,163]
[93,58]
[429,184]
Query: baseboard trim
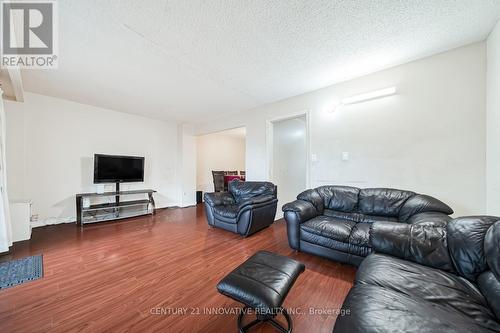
[189,204]
[52,221]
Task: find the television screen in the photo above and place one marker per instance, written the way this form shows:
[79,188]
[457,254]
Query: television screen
[118,169]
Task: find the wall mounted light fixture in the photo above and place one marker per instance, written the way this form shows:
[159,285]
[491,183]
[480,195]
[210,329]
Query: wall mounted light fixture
[369,96]
[364,97]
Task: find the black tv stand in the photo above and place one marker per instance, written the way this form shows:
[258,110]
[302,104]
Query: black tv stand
[117,198]
[118,209]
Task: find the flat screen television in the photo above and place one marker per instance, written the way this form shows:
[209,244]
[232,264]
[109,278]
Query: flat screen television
[118,169]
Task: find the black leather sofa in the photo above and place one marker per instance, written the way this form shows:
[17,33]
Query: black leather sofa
[334,221]
[245,209]
[428,277]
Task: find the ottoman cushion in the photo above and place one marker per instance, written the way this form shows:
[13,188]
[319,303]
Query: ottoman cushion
[262,282]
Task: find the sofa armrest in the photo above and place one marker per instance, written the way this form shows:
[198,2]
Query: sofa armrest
[430,218]
[421,243]
[304,210]
[297,212]
[218,198]
[422,203]
[257,200]
[314,198]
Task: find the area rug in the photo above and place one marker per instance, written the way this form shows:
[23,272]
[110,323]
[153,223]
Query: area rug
[19,271]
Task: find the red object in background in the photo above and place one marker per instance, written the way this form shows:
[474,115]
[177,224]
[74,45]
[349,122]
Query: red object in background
[229,178]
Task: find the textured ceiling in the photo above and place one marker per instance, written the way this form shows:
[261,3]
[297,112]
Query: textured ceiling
[192,60]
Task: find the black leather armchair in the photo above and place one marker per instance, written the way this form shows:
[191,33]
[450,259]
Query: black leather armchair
[245,209]
[334,221]
[428,278]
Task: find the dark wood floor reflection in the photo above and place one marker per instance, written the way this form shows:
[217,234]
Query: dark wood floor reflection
[156,274]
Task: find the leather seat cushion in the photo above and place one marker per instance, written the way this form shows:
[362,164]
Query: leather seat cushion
[262,282]
[227,211]
[330,243]
[376,309]
[338,234]
[358,250]
[326,226]
[434,288]
[360,234]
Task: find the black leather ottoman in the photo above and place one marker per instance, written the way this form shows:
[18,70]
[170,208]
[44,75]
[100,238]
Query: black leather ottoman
[262,283]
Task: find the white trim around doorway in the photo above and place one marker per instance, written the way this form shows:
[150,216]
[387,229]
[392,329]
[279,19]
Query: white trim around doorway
[269,142]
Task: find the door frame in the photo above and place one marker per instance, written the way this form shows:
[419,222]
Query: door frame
[270,143]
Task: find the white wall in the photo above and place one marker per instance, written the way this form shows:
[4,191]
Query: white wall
[186,152]
[493,122]
[218,151]
[289,158]
[50,148]
[429,138]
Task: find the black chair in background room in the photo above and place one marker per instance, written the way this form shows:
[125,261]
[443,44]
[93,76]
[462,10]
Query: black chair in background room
[218,181]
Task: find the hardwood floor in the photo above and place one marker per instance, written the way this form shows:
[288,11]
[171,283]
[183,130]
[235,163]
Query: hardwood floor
[135,275]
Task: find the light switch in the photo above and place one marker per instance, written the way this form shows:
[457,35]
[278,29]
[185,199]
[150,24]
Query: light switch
[345,156]
[314,158]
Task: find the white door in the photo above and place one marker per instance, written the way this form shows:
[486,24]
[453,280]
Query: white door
[289,158]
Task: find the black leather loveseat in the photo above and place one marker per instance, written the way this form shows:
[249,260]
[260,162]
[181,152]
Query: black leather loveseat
[428,278]
[334,221]
[245,209]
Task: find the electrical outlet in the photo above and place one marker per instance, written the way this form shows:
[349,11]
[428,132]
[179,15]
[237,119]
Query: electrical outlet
[34,218]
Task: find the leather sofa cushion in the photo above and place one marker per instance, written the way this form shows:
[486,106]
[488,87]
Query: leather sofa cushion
[424,244]
[341,198]
[327,242]
[227,211]
[492,248]
[330,227]
[453,295]
[360,234]
[358,217]
[219,198]
[246,190]
[382,201]
[422,203]
[375,309]
[338,234]
[314,198]
[489,281]
[375,218]
[359,250]
[466,244]
[342,215]
[490,287]
[429,218]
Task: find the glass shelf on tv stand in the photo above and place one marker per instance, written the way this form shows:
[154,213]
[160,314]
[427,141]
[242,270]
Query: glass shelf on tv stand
[113,210]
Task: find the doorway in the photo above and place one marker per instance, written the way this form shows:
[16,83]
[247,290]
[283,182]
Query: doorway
[220,159]
[289,157]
